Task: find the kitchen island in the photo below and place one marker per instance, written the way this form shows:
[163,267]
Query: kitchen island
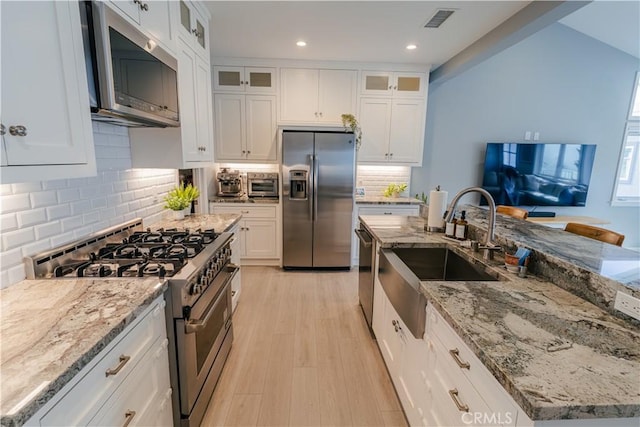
[556,354]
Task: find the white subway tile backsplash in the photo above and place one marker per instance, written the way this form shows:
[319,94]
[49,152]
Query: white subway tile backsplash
[31,217]
[47,230]
[100,202]
[72,223]
[91,217]
[55,184]
[82,231]
[114,199]
[14,239]
[43,198]
[80,207]
[58,211]
[36,247]
[8,222]
[26,187]
[4,279]
[5,189]
[105,214]
[16,274]
[68,195]
[11,258]
[15,202]
[61,239]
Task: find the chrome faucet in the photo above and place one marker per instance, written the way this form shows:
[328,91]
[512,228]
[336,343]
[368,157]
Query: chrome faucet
[489,245]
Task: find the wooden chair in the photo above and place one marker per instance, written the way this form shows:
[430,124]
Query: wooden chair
[596,233]
[511,211]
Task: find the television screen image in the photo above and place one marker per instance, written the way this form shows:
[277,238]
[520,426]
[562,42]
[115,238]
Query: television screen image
[520,174]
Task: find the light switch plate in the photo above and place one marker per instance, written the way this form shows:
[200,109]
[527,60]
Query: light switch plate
[627,304]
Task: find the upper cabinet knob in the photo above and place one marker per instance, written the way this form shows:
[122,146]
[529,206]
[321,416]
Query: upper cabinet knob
[18,130]
[3,129]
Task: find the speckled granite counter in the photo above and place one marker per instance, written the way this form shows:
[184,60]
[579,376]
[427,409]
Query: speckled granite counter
[556,354]
[381,200]
[51,329]
[218,222]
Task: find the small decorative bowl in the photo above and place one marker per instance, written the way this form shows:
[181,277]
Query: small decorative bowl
[511,260]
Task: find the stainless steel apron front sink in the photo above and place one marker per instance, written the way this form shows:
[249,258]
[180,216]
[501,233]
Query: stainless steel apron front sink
[402,269]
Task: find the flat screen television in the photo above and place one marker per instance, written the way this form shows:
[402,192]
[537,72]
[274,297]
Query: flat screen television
[521,174]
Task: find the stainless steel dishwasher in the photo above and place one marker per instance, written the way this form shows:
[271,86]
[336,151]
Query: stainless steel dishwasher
[365,274]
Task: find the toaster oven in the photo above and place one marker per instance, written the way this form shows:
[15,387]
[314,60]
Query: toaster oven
[262,184]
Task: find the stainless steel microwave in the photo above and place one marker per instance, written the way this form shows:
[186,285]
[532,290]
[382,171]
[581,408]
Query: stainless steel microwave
[132,80]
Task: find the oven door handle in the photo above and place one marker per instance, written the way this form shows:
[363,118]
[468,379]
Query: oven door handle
[193,326]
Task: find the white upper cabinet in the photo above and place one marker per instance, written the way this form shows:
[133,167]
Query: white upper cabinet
[193,26]
[46,122]
[392,131]
[316,96]
[152,17]
[245,127]
[399,84]
[244,79]
[392,116]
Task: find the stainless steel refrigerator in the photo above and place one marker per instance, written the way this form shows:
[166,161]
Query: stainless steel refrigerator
[318,172]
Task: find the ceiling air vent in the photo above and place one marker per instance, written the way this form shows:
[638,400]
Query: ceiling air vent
[438,18]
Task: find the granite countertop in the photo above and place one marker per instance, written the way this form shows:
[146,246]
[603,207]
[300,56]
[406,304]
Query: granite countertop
[558,355]
[53,328]
[381,200]
[218,222]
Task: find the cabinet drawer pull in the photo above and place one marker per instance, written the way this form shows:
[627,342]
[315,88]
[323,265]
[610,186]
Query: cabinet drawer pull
[455,353]
[128,416]
[461,406]
[123,361]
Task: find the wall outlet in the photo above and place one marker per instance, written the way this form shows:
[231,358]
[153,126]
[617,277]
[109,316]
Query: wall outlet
[627,304]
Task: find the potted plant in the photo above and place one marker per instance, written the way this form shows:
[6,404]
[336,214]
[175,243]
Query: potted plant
[350,123]
[179,199]
[393,190]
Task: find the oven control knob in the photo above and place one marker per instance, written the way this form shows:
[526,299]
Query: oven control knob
[195,289]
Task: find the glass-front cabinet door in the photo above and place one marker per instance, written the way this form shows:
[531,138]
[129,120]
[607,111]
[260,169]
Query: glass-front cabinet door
[244,79]
[193,27]
[381,83]
[378,83]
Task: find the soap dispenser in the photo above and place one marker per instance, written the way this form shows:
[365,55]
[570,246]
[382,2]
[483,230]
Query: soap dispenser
[450,227]
[461,230]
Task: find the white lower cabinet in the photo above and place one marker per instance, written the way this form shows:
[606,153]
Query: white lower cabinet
[431,377]
[128,381]
[258,231]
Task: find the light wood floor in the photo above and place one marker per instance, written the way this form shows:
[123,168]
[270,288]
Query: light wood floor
[302,356]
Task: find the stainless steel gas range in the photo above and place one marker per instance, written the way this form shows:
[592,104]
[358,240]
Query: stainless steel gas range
[197,265]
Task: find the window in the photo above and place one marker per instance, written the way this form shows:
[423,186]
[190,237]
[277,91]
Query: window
[509,154]
[626,191]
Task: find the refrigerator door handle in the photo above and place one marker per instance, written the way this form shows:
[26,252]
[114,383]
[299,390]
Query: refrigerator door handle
[316,170]
[310,180]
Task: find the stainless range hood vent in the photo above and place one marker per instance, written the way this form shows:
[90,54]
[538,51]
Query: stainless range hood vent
[438,18]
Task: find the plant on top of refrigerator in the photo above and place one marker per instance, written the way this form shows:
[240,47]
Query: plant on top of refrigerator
[350,122]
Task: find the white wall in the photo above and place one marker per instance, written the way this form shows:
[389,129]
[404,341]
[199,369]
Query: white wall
[38,216]
[559,82]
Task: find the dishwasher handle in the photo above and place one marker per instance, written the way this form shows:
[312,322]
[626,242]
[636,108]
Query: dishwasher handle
[364,237]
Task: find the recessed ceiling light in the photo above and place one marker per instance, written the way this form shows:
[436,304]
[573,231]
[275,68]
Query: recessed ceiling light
[301,43]
[411,46]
